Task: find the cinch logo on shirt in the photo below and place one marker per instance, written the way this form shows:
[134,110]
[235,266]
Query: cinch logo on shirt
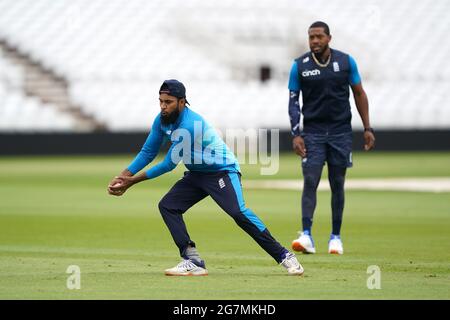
[308,73]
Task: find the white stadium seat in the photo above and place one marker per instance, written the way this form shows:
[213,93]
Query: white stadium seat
[115,54]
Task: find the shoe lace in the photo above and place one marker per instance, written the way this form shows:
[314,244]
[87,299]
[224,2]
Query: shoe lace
[186,264]
[290,261]
[336,242]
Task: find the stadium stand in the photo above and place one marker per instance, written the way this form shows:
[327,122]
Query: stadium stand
[111,57]
[20,113]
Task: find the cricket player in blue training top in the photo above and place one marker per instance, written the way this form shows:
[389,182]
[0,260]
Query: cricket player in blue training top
[212,171]
[324,76]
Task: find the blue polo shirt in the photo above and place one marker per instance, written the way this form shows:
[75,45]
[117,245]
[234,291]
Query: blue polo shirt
[325,93]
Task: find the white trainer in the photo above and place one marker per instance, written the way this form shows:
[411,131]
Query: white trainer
[186,268]
[335,245]
[304,243]
[293,267]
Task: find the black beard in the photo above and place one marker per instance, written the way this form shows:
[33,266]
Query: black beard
[170,118]
[319,55]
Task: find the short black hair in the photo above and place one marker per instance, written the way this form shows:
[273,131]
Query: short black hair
[321,24]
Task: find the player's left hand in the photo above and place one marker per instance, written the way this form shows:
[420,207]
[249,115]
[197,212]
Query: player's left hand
[119,185]
[369,140]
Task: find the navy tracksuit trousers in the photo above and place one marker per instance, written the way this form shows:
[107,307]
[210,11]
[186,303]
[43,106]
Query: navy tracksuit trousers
[226,190]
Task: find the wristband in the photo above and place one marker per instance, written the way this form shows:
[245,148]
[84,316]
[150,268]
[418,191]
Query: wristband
[369,129]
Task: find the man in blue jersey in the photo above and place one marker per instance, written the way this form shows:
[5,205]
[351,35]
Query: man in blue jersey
[212,171]
[324,76]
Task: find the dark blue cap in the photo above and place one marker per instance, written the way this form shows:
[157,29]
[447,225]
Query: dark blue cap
[173,88]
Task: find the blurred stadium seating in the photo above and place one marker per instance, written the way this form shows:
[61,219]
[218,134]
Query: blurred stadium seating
[108,59]
[22,113]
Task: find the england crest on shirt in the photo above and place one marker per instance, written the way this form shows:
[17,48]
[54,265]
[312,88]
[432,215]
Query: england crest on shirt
[336,66]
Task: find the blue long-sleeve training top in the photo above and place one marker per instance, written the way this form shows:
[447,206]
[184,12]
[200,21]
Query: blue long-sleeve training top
[193,141]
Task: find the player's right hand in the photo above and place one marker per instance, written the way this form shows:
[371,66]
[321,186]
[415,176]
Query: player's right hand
[114,183]
[298,144]
[369,140]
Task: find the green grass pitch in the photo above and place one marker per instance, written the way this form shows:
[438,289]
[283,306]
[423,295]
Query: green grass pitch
[55,212]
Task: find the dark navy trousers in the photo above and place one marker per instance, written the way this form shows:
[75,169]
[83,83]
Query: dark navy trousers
[226,190]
